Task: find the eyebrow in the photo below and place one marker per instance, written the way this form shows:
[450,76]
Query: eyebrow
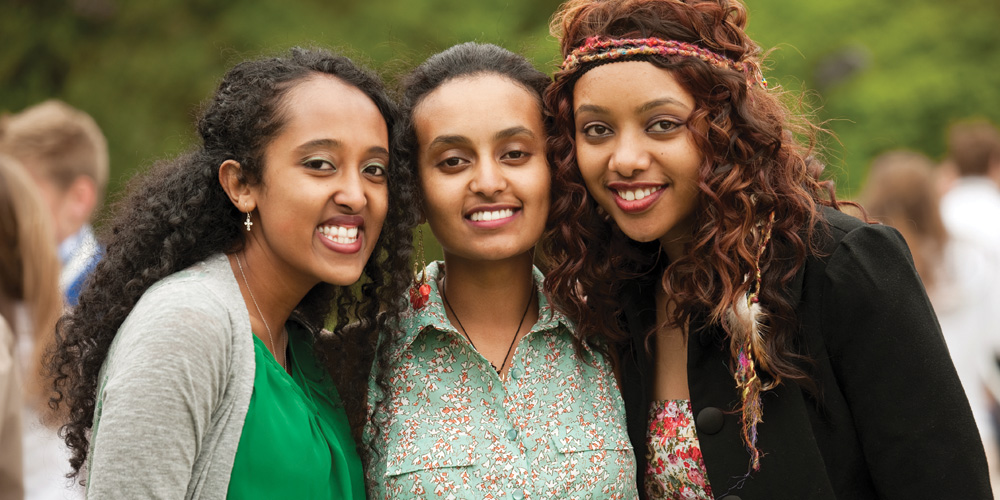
[318,143]
[334,143]
[593,108]
[448,140]
[666,101]
[507,133]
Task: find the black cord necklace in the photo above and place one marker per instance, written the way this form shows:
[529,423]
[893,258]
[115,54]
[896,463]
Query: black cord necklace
[444,296]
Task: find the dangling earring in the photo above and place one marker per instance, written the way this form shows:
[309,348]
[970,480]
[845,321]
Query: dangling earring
[247,223]
[420,292]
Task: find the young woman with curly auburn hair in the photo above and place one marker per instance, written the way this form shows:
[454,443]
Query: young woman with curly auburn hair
[194,364]
[772,346]
[484,391]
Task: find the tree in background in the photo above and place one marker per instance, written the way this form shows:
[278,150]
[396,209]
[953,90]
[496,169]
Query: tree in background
[885,75]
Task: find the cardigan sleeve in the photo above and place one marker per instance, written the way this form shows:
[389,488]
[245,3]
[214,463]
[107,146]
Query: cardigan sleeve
[158,390]
[888,354]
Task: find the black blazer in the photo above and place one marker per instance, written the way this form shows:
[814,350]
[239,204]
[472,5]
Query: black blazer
[891,421]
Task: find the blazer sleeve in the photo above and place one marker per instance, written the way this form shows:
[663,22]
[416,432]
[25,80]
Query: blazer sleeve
[158,390]
[889,356]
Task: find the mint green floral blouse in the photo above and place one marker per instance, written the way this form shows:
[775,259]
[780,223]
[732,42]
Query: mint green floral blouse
[554,428]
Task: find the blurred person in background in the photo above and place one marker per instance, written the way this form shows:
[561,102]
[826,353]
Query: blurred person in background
[970,210]
[67,155]
[29,306]
[902,192]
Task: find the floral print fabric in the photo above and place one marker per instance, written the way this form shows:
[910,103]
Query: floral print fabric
[675,469]
[553,428]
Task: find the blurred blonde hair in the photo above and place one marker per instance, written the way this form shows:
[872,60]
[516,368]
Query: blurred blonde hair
[902,192]
[58,142]
[29,268]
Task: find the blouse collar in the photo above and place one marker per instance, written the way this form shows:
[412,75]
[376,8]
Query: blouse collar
[432,315]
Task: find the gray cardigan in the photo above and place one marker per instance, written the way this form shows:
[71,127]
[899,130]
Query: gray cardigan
[174,391]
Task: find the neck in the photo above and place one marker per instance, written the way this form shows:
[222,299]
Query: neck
[488,288]
[493,303]
[269,290]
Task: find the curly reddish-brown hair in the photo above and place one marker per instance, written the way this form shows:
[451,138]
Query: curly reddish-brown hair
[758,158]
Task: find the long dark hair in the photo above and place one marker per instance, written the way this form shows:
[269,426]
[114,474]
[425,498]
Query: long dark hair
[171,217]
[758,158]
[463,60]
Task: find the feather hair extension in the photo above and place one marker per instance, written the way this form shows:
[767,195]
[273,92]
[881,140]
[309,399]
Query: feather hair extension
[745,324]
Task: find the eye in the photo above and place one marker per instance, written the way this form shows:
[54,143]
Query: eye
[662,126]
[596,130]
[452,162]
[319,164]
[375,169]
[516,156]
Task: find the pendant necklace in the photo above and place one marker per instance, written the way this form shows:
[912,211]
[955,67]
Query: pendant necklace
[444,296]
[269,337]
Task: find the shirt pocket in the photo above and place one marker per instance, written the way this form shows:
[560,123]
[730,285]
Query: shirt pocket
[431,445]
[590,432]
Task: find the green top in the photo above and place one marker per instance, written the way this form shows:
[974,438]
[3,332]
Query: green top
[296,441]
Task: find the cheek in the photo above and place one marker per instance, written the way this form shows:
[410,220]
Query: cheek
[378,203]
[590,164]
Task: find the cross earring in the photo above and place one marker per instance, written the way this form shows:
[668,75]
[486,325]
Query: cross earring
[247,223]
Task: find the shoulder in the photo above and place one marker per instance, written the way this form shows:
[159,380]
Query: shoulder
[838,232]
[198,311]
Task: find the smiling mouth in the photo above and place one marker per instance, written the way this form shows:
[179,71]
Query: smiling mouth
[636,194]
[344,235]
[491,215]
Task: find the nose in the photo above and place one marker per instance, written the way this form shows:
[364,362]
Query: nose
[350,192]
[488,179]
[629,156]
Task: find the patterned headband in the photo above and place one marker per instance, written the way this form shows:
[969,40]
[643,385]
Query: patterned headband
[612,49]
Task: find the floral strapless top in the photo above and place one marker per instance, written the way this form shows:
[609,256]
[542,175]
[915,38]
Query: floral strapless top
[675,469]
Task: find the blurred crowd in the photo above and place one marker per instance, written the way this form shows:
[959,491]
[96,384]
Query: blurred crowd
[949,214]
[54,169]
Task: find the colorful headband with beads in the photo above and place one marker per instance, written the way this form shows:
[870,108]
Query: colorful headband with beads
[611,49]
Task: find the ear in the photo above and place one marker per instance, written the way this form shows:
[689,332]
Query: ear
[82,195]
[232,180]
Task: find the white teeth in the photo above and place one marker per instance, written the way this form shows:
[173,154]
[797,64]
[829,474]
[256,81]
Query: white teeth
[638,194]
[492,215]
[340,234]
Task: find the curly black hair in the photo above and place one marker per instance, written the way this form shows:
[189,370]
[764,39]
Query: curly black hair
[462,60]
[170,217]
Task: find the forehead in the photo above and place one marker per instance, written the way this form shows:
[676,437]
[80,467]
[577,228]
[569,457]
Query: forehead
[627,84]
[323,105]
[477,102]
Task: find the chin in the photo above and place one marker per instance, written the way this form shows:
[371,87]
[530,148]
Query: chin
[641,235]
[343,277]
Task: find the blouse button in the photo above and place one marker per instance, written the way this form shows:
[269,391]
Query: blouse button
[515,373]
[710,420]
[518,495]
[512,434]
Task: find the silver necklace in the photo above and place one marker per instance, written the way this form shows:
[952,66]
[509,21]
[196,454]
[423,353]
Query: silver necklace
[260,314]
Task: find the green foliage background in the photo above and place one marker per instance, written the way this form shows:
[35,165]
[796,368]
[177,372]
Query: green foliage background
[882,75]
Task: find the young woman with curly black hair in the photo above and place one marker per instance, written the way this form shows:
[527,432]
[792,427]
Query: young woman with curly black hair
[484,391]
[193,365]
[773,347]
